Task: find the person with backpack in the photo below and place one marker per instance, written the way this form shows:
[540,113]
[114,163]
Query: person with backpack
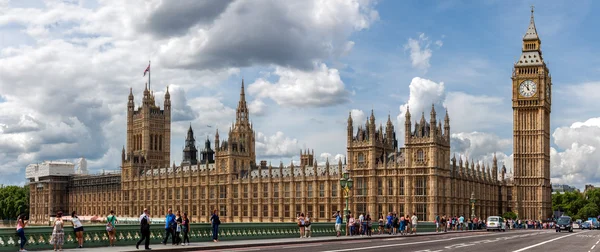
[301,224]
[170,226]
[21,223]
[144,230]
[395,224]
[338,223]
[111,228]
[58,233]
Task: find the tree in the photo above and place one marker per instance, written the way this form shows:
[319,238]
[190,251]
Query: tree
[14,200]
[510,215]
[589,210]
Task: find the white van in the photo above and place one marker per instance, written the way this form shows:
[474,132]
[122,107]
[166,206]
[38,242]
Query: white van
[495,223]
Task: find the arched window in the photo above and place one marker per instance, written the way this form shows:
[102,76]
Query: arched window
[420,156]
[151,142]
[361,158]
[160,142]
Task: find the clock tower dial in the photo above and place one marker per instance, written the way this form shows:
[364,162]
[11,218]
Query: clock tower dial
[527,88]
[531,191]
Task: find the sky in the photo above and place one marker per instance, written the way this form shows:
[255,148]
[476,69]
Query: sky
[66,68]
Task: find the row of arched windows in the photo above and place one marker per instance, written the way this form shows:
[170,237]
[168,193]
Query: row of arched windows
[156,142]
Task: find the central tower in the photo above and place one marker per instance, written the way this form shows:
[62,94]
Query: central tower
[531,102]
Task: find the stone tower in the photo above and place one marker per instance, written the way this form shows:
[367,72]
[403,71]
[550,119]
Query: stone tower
[148,134]
[190,152]
[237,156]
[531,97]
[427,152]
[368,150]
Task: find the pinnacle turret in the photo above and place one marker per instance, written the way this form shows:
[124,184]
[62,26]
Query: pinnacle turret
[531,33]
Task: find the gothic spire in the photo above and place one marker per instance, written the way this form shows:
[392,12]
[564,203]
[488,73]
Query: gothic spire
[531,33]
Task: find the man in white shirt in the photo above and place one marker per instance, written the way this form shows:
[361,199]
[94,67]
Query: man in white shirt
[144,229]
[361,219]
[414,220]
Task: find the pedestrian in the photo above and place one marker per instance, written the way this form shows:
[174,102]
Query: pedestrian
[185,229]
[347,223]
[58,233]
[144,230]
[414,220]
[179,221]
[77,228]
[215,222]
[111,228]
[461,222]
[362,224]
[388,224]
[170,226]
[351,222]
[307,226]
[369,225]
[438,222]
[381,224]
[338,223]
[21,223]
[301,224]
[401,225]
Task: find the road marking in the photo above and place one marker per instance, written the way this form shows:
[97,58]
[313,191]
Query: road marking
[409,243]
[597,242]
[593,247]
[303,245]
[541,243]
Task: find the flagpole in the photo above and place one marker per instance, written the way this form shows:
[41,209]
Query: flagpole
[149,72]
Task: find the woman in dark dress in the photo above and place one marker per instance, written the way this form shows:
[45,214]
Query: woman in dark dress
[185,229]
[215,222]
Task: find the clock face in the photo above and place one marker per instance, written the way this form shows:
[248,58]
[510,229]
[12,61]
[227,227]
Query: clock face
[527,88]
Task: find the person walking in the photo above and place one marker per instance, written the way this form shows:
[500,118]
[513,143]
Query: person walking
[414,221]
[77,228]
[380,224]
[307,226]
[179,221]
[145,230]
[215,222]
[111,228]
[21,223]
[58,233]
[348,231]
[185,229]
[170,226]
[338,223]
[351,222]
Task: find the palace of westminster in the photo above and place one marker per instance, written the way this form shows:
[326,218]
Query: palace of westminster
[421,177]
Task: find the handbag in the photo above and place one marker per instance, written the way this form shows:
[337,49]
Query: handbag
[178,228]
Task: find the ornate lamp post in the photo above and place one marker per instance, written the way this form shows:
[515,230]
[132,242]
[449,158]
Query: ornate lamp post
[346,184]
[473,200]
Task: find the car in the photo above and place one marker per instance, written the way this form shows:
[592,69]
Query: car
[585,225]
[576,225]
[495,223]
[564,223]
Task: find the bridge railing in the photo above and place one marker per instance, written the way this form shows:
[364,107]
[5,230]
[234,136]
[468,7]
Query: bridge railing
[95,235]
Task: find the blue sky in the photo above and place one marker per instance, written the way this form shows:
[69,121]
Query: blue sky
[66,68]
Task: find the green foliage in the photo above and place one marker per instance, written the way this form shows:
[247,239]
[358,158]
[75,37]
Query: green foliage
[14,200]
[578,205]
[509,215]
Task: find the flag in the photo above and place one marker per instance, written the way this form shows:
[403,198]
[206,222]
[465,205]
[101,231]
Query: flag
[147,69]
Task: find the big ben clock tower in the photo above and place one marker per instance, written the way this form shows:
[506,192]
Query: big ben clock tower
[531,102]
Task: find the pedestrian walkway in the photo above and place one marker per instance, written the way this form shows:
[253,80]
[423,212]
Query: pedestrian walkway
[249,243]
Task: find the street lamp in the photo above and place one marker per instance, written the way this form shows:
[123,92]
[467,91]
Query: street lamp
[473,200]
[346,184]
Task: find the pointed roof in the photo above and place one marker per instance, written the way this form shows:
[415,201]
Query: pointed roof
[531,33]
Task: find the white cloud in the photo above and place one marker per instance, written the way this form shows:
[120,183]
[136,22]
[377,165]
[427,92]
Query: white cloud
[257,107]
[420,53]
[319,87]
[358,116]
[250,33]
[333,160]
[579,163]
[275,146]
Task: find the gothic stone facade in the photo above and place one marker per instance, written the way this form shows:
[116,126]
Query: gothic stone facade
[531,102]
[420,177]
